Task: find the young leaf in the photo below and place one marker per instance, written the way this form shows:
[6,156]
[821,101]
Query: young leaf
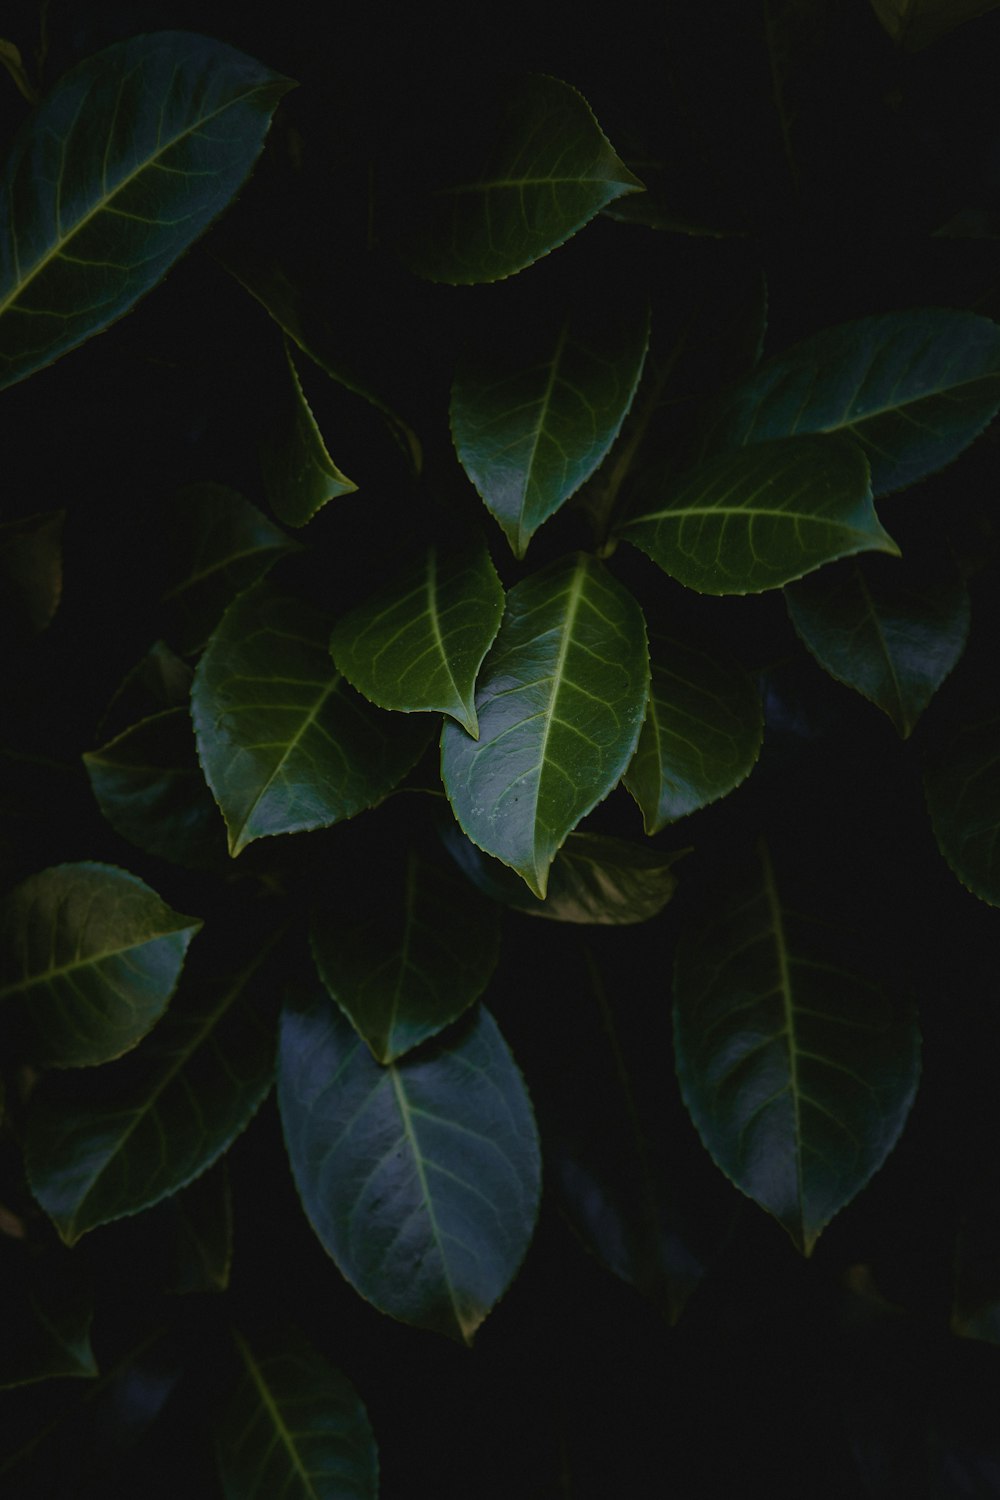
[284,743]
[112,177]
[798,1074]
[102,1145]
[295,1427]
[413,963]
[913,388]
[299,474]
[533,417]
[892,642]
[560,701]
[549,170]
[421,1178]
[702,735]
[46,1308]
[31,571]
[418,644]
[90,956]
[962,785]
[758,518]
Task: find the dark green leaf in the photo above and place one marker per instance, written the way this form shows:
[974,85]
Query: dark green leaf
[284,742]
[90,956]
[914,24]
[962,784]
[534,416]
[158,681]
[872,629]
[418,644]
[758,518]
[120,168]
[798,1073]
[202,1221]
[913,388]
[299,474]
[405,968]
[46,1309]
[793,29]
[702,735]
[102,1145]
[31,571]
[560,701]
[294,1427]
[549,169]
[421,1178]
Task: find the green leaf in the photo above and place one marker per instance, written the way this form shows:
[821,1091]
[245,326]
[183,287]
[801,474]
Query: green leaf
[913,388]
[533,417]
[914,24]
[421,1178]
[702,735]
[295,1427]
[547,171]
[90,956]
[876,632]
[410,965]
[31,571]
[120,168]
[419,644]
[217,545]
[103,1144]
[202,1221]
[46,1308]
[760,517]
[150,788]
[299,475]
[962,784]
[285,744]
[159,680]
[560,701]
[798,1073]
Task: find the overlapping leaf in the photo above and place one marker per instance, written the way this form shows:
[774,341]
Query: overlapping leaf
[112,177]
[890,640]
[962,783]
[560,700]
[760,517]
[419,643]
[702,735]
[798,1073]
[284,742]
[534,416]
[89,956]
[159,680]
[421,1178]
[548,170]
[299,474]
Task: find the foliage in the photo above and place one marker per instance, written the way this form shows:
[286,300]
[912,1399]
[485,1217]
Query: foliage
[657,604]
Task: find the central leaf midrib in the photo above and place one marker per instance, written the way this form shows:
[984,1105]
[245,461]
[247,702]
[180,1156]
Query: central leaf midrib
[286,753]
[433,616]
[539,428]
[406,1117]
[90,961]
[574,594]
[274,1412]
[785,985]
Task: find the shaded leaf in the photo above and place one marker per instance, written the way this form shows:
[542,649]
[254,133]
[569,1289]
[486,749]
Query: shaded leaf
[876,632]
[758,518]
[90,956]
[31,571]
[793,30]
[46,1307]
[548,170]
[299,474]
[285,744]
[702,734]
[295,1427]
[110,179]
[421,1178]
[914,24]
[962,784]
[975,1310]
[534,416]
[419,644]
[560,701]
[158,681]
[403,970]
[799,1074]
[202,1215]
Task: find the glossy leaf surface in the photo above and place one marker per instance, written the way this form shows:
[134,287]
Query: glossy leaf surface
[47,1307]
[299,474]
[119,169]
[402,971]
[798,1074]
[760,517]
[549,169]
[295,1427]
[913,388]
[962,784]
[533,417]
[560,700]
[421,1179]
[285,743]
[90,956]
[31,571]
[701,737]
[419,643]
[892,642]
